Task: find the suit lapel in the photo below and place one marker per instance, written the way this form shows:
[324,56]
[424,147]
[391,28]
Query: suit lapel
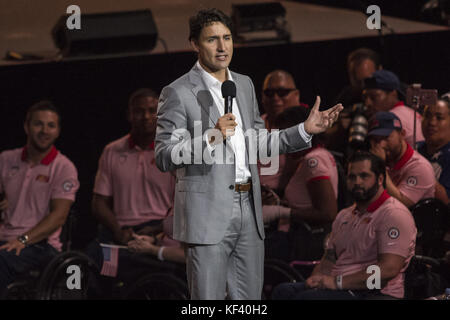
[244,108]
[203,95]
[206,100]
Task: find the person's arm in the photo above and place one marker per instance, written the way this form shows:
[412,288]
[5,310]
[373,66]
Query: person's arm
[59,209]
[324,204]
[440,193]
[102,210]
[389,264]
[326,263]
[262,142]
[323,269]
[174,146]
[145,244]
[396,193]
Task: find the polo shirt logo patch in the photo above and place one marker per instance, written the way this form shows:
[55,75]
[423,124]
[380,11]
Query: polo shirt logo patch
[13,171]
[67,185]
[312,163]
[42,178]
[412,181]
[393,233]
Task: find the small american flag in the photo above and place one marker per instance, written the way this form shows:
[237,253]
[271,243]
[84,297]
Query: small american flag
[110,261]
[397,123]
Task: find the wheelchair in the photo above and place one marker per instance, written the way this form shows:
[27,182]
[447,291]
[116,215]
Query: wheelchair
[150,279]
[426,277]
[432,219]
[50,282]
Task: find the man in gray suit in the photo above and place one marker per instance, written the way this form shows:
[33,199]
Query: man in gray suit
[218,201]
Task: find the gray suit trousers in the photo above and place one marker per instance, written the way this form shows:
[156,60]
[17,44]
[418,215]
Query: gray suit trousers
[235,265]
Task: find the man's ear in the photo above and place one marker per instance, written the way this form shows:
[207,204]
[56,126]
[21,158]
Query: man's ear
[25,127]
[194,45]
[297,94]
[380,180]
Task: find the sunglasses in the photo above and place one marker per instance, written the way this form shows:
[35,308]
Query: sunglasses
[281,92]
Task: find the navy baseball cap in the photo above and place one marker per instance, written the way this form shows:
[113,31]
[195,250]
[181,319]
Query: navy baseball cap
[383,123]
[382,79]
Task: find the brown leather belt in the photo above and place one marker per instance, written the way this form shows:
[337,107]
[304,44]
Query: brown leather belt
[243,187]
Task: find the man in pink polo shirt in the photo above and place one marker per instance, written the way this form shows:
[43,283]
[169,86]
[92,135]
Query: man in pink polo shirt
[376,233]
[381,93]
[130,193]
[410,176]
[39,185]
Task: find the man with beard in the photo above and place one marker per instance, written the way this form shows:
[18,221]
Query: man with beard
[130,194]
[377,231]
[410,176]
[38,185]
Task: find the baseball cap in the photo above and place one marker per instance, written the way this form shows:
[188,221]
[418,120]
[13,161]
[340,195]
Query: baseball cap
[382,79]
[383,123]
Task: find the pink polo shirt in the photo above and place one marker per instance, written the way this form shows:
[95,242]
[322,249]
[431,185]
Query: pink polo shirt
[129,175]
[29,190]
[359,237]
[413,175]
[406,116]
[318,164]
[272,181]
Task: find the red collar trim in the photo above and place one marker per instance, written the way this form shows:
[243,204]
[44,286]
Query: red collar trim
[378,202]
[398,104]
[47,159]
[405,158]
[132,144]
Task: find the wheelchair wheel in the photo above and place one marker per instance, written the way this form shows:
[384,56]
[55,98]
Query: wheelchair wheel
[54,282]
[277,272]
[157,286]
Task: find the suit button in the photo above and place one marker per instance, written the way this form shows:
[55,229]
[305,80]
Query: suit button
[231,187]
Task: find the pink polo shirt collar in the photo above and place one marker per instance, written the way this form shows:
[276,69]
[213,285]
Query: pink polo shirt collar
[373,206]
[405,158]
[378,202]
[398,104]
[47,159]
[132,144]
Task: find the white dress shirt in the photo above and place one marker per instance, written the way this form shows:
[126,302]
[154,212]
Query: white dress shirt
[237,141]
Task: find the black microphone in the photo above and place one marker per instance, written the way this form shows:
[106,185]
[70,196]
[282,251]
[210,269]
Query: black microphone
[228,93]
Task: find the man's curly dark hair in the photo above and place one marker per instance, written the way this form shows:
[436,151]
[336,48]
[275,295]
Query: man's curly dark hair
[205,18]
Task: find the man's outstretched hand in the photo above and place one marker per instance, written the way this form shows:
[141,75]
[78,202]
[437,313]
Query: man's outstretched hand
[318,121]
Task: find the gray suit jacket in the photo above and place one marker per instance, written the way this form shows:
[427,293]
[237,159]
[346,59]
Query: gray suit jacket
[204,192]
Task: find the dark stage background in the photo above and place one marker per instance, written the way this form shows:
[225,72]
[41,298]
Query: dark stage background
[93,93]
